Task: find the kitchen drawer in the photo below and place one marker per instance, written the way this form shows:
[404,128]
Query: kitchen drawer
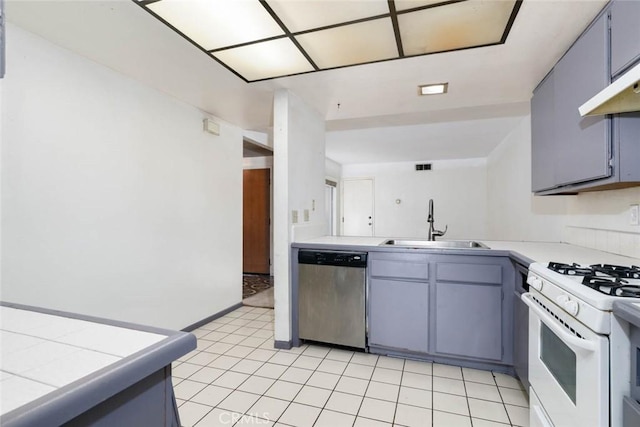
[399,266]
[469,273]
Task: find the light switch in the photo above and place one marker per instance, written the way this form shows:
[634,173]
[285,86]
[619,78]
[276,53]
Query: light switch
[306,215]
[294,217]
[634,215]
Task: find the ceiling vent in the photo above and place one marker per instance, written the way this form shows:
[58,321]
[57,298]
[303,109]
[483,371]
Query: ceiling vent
[423,167]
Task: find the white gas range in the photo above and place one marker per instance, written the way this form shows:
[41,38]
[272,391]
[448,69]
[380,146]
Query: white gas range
[578,351]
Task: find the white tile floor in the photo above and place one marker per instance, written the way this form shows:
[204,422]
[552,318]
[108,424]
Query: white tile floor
[236,377]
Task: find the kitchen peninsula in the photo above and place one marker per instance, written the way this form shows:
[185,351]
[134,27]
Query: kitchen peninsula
[60,368]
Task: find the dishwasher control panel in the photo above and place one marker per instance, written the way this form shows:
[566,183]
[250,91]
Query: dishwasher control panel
[344,259]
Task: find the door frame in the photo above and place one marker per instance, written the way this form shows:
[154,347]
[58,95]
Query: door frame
[335,204]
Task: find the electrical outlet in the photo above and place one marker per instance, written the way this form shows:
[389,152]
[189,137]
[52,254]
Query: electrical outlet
[634,215]
[306,215]
[294,217]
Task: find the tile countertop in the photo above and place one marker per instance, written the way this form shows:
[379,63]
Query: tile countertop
[541,252]
[53,360]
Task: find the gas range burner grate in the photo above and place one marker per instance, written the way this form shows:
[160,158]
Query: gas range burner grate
[570,269]
[622,272]
[615,287]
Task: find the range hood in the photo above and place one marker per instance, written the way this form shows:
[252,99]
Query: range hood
[621,96]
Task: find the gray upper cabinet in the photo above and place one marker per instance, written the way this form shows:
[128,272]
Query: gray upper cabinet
[582,148]
[625,35]
[543,151]
[570,153]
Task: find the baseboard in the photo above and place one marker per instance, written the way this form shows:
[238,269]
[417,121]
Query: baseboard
[282,345]
[212,318]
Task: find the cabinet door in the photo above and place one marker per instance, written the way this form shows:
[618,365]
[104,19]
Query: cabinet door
[468,320]
[582,143]
[625,35]
[398,314]
[543,150]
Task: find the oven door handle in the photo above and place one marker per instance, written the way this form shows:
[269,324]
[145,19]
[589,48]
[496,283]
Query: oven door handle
[558,329]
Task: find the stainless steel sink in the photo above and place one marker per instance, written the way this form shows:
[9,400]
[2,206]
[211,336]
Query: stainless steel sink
[437,244]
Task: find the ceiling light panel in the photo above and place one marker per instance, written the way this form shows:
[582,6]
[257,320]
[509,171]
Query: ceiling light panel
[265,60]
[302,15]
[434,89]
[351,44]
[454,26]
[411,4]
[213,24]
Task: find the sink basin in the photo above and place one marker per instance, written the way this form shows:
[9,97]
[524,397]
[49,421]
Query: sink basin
[437,244]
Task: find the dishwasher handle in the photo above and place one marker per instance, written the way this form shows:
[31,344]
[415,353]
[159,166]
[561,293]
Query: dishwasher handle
[343,259]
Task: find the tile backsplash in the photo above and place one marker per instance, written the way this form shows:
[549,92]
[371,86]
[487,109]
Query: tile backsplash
[616,242]
[601,220]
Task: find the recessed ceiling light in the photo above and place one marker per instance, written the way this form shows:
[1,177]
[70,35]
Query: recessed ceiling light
[433,89]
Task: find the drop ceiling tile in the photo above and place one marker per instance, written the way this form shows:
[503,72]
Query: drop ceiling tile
[351,44]
[454,26]
[411,4]
[265,60]
[309,14]
[214,24]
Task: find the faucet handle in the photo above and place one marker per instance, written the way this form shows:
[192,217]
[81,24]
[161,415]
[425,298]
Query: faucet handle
[441,233]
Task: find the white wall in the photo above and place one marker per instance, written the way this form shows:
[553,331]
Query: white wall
[115,203]
[597,220]
[299,174]
[513,212]
[457,187]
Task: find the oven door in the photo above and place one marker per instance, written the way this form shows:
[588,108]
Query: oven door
[568,366]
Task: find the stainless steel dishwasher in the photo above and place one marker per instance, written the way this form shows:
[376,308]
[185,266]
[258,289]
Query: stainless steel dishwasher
[331,297]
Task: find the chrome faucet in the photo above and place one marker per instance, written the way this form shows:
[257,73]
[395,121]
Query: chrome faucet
[433,233]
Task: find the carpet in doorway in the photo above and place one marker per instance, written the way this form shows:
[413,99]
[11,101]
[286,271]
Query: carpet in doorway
[255,283]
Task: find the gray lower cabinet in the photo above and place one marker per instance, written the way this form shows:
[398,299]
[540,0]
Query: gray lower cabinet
[443,307]
[521,326]
[625,35]
[468,320]
[399,314]
[399,301]
[468,309]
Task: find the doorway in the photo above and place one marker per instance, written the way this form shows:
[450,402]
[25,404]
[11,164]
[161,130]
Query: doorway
[257,281]
[357,202]
[255,221]
[331,207]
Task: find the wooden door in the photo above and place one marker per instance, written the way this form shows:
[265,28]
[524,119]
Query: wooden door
[255,221]
[357,202]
